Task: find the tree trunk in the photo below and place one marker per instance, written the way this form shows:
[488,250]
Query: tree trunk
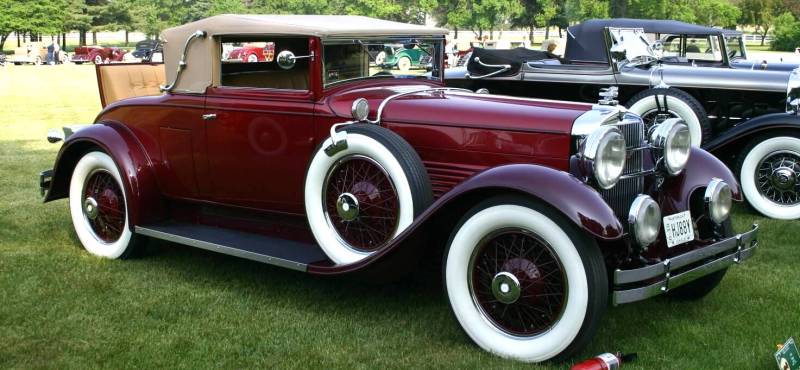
[19,43]
[531,29]
[94,38]
[64,41]
[546,32]
[764,35]
[559,32]
[3,38]
[126,37]
[82,38]
[456,32]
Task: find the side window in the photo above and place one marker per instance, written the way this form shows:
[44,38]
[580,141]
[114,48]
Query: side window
[702,48]
[252,62]
[672,46]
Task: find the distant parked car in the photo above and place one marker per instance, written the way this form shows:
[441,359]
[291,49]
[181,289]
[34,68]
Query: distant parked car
[253,52]
[404,57]
[2,59]
[30,53]
[144,49]
[97,54]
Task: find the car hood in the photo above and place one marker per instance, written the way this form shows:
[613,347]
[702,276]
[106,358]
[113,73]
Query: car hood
[463,109]
[760,66]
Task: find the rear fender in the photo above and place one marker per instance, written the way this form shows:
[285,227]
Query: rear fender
[731,139]
[134,165]
[578,202]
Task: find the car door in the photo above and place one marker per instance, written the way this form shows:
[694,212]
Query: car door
[259,129]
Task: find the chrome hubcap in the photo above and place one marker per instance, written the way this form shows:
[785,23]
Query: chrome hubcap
[783,178]
[777,180]
[347,207]
[90,208]
[505,287]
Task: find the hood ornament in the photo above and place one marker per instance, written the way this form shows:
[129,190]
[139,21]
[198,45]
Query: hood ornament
[608,96]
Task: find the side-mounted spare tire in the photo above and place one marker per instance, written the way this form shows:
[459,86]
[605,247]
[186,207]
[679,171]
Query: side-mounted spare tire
[359,198]
[657,104]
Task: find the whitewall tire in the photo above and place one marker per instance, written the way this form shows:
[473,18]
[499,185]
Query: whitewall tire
[380,58]
[404,64]
[552,267]
[252,58]
[360,198]
[98,207]
[678,104]
[768,172]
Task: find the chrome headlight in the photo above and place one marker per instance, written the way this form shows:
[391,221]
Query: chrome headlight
[673,138]
[605,147]
[360,109]
[645,220]
[718,199]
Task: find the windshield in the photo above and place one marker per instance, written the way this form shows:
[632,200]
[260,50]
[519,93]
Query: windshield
[631,46]
[735,47]
[347,60]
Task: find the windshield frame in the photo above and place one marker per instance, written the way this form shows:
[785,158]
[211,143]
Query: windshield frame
[436,74]
[742,48]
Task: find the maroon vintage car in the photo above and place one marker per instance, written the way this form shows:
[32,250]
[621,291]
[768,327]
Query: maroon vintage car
[253,52]
[97,54]
[540,211]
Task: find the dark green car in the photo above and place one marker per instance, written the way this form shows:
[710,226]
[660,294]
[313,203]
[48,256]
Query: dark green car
[404,57]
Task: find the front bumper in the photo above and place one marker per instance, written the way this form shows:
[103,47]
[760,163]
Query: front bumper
[733,250]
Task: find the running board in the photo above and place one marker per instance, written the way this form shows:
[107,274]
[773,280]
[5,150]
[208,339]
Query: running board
[274,251]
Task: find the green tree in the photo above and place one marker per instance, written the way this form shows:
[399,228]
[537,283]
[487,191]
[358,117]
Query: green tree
[759,13]
[581,10]
[533,14]
[787,33]
[720,13]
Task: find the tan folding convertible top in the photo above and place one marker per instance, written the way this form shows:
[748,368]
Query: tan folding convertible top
[202,58]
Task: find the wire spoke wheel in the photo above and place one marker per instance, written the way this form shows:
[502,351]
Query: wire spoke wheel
[656,117]
[361,203]
[518,282]
[104,206]
[776,178]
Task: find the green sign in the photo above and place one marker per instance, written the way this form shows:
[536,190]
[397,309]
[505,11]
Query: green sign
[788,357]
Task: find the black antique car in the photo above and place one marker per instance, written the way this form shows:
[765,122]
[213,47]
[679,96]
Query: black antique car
[745,116]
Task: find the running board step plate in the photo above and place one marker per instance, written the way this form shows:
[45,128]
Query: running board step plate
[274,251]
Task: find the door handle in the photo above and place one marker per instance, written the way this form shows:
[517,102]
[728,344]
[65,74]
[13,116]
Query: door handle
[209,117]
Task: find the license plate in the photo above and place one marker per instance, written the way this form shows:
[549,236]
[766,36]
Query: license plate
[678,228]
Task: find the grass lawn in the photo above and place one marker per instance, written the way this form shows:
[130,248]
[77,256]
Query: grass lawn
[186,308]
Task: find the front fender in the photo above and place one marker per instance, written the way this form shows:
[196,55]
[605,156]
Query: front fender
[578,202]
[134,165]
[746,130]
[702,167]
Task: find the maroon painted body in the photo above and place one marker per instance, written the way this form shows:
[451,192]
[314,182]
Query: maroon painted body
[250,162]
[247,53]
[90,53]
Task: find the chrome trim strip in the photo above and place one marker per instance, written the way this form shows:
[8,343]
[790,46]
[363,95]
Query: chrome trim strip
[297,266]
[377,120]
[745,245]
[182,62]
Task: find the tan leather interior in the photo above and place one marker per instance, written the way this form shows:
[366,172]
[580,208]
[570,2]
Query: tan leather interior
[124,81]
[293,79]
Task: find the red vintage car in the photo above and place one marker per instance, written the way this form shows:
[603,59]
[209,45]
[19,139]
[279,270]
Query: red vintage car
[541,212]
[253,52]
[97,54]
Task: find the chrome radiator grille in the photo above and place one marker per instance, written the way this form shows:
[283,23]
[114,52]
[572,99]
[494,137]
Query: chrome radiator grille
[621,196]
